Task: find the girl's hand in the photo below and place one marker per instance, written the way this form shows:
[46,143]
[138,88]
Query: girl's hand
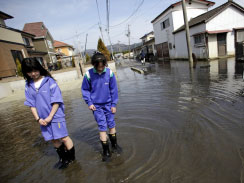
[92,107]
[113,110]
[48,119]
[42,122]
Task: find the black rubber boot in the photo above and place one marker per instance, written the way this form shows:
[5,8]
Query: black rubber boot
[115,147]
[69,158]
[61,154]
[106,151]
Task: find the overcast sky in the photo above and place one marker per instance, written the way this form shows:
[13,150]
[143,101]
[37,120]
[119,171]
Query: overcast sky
[70,20]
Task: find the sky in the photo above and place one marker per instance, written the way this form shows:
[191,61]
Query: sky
[70,20]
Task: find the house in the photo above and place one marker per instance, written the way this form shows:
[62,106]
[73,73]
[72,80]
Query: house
[212,34]
[64,48]
[32,52]
[43,41]
[12,47]
[172,19]
[65,52]
[148,45]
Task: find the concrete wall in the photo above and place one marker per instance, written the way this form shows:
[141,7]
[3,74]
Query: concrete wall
[9,88]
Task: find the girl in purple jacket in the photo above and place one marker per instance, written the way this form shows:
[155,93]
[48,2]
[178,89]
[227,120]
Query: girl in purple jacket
[44,98]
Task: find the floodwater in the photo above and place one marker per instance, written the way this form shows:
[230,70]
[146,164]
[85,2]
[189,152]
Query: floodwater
[174,127]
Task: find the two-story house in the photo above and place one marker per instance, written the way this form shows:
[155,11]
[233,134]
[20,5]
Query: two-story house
[12,47]
[170,20]
[64,48]
[65,53]
[43,40]
[213,34]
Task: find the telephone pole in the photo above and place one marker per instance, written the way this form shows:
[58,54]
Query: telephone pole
[128,35]
[187,34]
[112,52]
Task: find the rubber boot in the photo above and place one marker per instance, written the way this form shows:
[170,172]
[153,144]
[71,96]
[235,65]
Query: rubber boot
[69,158]
[115,147]
[61,153]
[106,151]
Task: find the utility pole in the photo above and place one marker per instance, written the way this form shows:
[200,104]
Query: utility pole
[128,35]
[112,52]
[187,34]
[119,47]
[85,49]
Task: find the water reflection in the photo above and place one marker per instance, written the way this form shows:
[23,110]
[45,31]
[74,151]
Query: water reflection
[173,126]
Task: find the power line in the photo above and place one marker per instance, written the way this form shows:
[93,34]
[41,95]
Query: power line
[130,15]
[100,22]
[80,33]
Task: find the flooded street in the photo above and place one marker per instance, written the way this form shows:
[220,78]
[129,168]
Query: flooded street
[173,127]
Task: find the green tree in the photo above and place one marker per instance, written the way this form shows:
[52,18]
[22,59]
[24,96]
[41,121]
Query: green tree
[19,69]
[103,49]
[88,58]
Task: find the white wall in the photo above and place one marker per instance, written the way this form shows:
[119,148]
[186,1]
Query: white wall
[181,46]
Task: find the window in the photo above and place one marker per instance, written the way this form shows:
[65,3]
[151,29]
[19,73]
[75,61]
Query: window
[50,45]
[199,39]
[54,59]
[59,50]
[165,24]
[17,55]
[26,41]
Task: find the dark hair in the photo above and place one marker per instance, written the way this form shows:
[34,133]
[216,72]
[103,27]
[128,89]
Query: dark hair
[30,64]
[98,57]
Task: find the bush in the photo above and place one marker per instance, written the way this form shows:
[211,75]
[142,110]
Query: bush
[19,69]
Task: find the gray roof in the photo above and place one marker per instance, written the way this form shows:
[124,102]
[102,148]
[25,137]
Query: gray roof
[205,17]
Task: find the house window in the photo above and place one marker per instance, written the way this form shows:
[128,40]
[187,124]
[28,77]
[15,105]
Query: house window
[165,24]
[59,50]
[17,56]
[26,41]
[54,59]
[199,39]
[170,46]
[50,45]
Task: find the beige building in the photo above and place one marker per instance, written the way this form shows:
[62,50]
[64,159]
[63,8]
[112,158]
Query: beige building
[12,47]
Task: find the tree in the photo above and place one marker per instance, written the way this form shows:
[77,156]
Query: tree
[88,58]
[103,49]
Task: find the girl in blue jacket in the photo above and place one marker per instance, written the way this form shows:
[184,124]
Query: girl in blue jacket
[44,98]
[99,90]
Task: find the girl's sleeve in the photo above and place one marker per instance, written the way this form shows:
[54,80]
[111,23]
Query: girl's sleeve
[86,89]
[29,99]
[113,89]
[55,93]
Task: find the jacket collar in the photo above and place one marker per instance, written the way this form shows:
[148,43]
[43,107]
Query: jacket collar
[95,71]
[45,79]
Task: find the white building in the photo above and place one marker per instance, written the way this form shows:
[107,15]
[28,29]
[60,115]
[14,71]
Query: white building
[212,34]
[170,20]
[148,43]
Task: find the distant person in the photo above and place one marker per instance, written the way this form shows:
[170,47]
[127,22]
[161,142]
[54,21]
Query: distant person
[44,98]
[142,56]
[99,90]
